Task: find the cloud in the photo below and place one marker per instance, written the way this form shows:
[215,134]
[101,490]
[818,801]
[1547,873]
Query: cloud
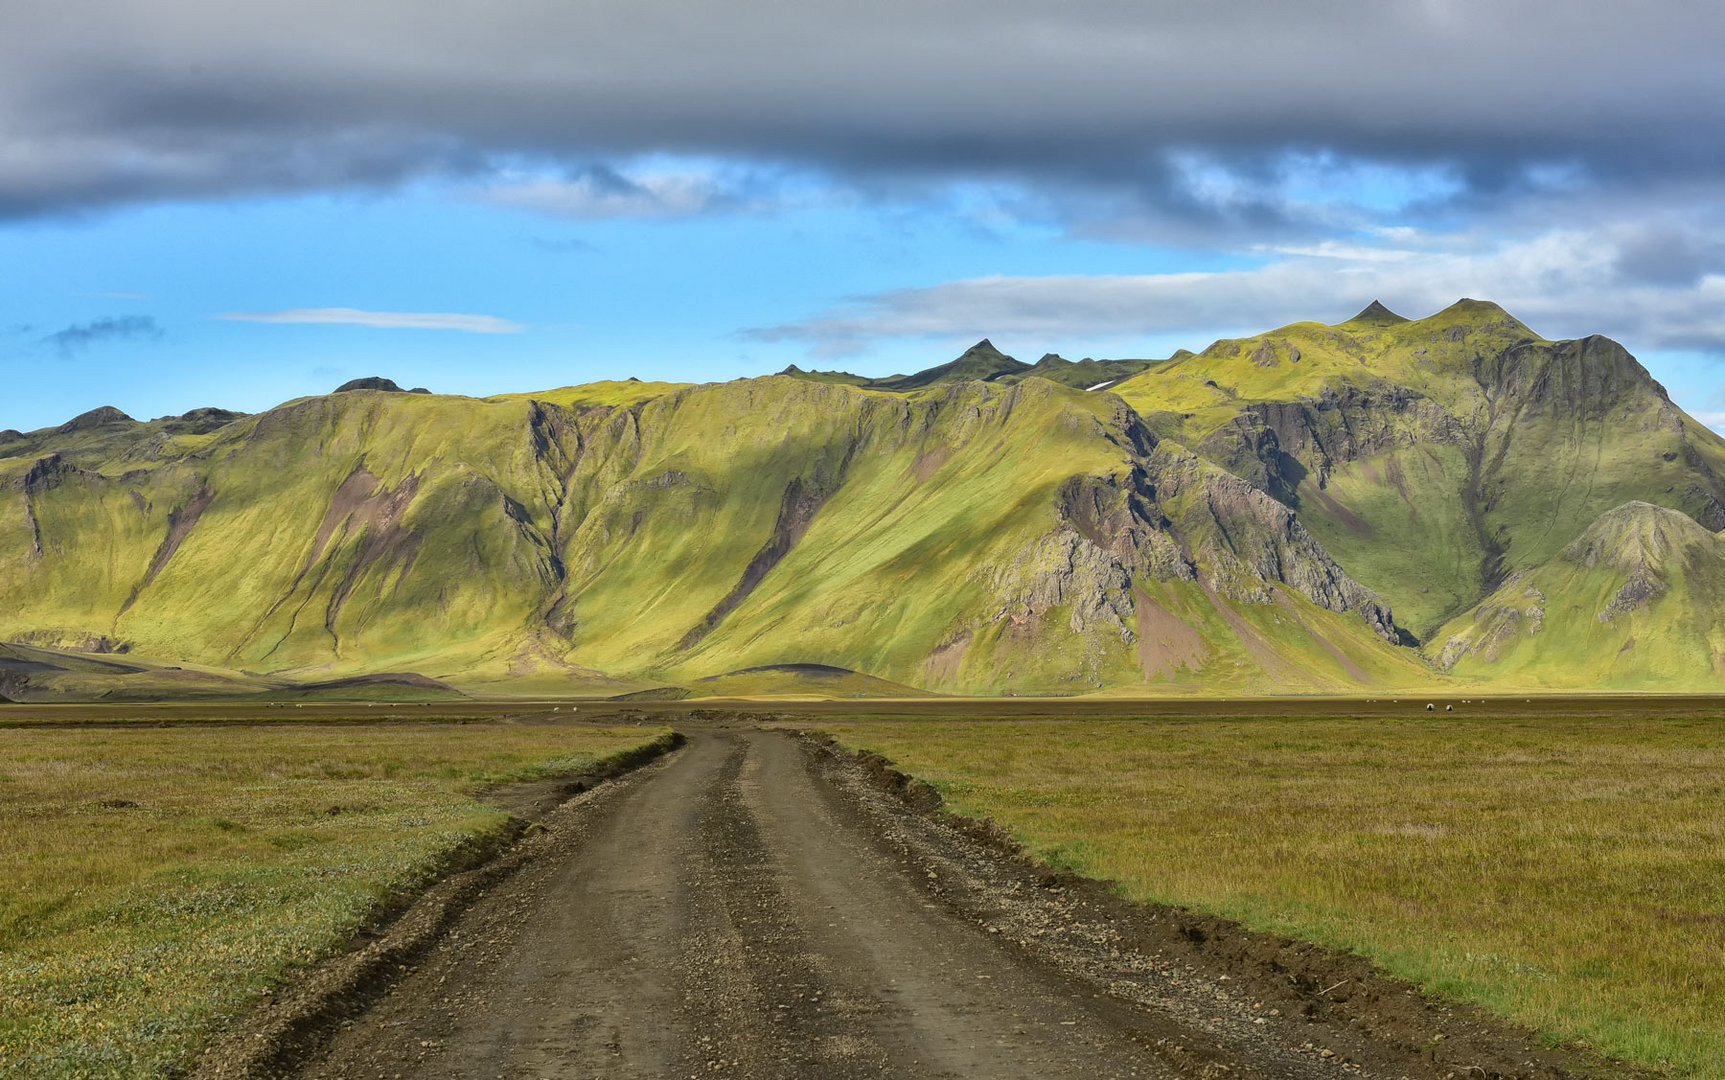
[1160,112]
[562,245]
[80,336]
[383,320]
[1569,282]
[599,192]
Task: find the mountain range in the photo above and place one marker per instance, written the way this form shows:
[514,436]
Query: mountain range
[1377,504]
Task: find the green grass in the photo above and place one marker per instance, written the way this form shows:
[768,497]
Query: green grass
[158,882]
[1417,547]
[1567,874]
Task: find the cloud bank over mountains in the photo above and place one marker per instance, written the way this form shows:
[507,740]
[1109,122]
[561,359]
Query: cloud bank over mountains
[110,101]
[1562,158]
[1563,283]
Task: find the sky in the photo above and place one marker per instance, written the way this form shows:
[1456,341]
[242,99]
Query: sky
[209,203]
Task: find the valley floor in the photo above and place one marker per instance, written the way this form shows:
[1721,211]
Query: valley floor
[766,904]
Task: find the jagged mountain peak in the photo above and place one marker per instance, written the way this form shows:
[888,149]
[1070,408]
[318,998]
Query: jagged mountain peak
[984,347]
[981,362]
[1376,314]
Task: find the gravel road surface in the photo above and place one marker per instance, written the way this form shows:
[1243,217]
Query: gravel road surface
[752,906]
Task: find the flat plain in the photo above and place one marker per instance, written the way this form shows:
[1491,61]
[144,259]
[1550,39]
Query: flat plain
[1565,872]
[1556,862]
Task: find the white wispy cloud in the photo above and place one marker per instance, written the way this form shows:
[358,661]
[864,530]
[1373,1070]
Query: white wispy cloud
[383,320]
[1567,282]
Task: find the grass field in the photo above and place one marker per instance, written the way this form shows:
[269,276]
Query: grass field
[160,880]
[1569,874]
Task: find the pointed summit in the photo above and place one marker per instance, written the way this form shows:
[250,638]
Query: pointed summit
[1376,314]
[95,418]
[981,362]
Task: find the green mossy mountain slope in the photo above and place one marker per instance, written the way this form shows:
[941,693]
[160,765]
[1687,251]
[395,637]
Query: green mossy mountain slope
[1634,603]
[1435,457]
[1286,513]
[970,537]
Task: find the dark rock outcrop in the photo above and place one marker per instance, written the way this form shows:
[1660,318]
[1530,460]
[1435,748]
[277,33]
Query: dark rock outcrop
[1376,314]
[200,421]
[1277,445]
[373,382]
[105,416]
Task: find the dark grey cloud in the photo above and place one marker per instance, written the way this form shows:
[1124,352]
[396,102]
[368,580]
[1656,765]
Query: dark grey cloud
[1661,254]
[80,336]
[106,102]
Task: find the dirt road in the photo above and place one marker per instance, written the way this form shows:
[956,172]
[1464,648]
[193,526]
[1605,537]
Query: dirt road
[747,908]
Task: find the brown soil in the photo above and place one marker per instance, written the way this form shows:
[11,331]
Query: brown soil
[299,1021]
[1165,643]
[929,462]
[943,664]
[760,905]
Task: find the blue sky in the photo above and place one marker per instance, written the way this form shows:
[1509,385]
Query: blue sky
[194,212]
[676,299]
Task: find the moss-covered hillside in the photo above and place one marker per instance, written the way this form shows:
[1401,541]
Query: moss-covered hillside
[1436,457]
[1301,511]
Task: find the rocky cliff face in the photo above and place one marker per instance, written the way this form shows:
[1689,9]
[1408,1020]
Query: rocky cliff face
[1278,446]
